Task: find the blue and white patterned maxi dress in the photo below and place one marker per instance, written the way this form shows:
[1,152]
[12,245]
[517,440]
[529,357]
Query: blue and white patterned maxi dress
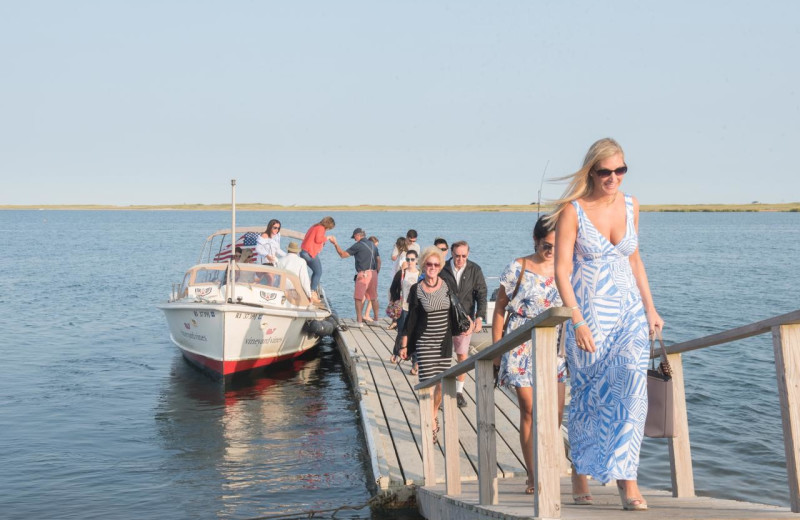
[609,386]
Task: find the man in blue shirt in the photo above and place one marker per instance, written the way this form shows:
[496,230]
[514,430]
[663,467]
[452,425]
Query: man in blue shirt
[368,265]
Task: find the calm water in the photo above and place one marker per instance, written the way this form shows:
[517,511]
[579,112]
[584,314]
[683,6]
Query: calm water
[101,417]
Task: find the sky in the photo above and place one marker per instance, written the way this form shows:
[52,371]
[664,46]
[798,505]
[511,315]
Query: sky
[413,102]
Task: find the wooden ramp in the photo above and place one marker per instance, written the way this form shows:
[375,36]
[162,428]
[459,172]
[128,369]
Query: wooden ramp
[514,504]
[390,417]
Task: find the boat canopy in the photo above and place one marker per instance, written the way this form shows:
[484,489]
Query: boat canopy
[217,245]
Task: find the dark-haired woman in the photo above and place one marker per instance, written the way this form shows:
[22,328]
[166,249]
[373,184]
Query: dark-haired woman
[268,245]
[528,288]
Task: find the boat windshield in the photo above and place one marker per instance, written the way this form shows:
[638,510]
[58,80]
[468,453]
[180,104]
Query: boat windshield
[259,284]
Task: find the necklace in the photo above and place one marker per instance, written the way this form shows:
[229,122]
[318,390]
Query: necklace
[434,284]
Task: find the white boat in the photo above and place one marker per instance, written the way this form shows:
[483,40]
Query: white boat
[230,317]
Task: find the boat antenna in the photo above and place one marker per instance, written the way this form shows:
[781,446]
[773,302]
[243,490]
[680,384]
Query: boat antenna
[539,195]
[230,297]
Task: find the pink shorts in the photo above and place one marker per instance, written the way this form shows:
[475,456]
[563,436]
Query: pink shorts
[366,285]
[461,343]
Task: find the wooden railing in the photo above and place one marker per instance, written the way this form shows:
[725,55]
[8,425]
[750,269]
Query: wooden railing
[786,344]
[547,499]
[546,435]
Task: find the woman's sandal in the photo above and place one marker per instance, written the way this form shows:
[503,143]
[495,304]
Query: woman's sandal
[392,326]
[394,359]
[529,487]
[414,370]
[581,499]
[631,504]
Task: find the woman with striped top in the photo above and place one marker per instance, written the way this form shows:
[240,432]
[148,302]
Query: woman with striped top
[428,329]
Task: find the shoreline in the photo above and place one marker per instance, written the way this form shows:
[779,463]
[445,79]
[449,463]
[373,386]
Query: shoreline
[490,208]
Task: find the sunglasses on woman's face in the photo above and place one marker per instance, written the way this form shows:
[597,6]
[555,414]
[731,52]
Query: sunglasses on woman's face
[431,264]
[605,172]
[276,227]
[546,246]
[411,259]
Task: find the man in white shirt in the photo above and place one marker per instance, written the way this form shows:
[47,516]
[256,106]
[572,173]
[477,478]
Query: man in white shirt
[468,279]
[294,264]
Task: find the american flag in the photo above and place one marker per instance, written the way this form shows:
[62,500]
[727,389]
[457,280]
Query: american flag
[246,241]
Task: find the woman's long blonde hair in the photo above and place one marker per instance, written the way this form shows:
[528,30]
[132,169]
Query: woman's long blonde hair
[580,182]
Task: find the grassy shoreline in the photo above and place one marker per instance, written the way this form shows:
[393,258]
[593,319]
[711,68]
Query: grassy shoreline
[680,208]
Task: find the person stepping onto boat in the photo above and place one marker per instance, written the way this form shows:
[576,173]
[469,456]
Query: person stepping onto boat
[368,265]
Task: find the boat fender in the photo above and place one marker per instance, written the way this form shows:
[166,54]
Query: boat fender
[320,328]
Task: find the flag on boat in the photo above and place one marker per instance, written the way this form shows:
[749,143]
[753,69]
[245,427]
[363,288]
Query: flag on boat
[246,241]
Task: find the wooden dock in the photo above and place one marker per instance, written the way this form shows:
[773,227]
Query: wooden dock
[392,425]
[391,420]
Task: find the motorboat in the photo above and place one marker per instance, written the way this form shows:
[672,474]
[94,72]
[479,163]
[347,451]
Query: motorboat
[228,317]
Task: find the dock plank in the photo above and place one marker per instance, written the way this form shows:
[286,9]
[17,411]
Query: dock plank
[386,467]
[407,403]
[466,434]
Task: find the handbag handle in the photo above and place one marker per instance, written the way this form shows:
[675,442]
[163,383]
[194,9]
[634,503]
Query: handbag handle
[665,366]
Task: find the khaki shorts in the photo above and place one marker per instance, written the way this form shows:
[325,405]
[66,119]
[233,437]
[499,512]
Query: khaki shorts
[461,343]
[366,285]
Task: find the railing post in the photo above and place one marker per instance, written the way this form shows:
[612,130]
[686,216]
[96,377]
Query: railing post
[786,343]
[487,444]
[680,451]
[452,467]
[546,438]
[426,425]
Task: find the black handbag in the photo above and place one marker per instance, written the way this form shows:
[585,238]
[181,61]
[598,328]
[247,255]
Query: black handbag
[460,321]
[659,423]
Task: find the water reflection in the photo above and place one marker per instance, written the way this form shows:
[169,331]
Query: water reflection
[282,442]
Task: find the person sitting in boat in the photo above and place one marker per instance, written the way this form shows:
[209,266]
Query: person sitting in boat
[268,245]
[294,264]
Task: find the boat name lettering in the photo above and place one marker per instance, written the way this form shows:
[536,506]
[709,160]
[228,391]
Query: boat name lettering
[202,291]
[262,341]
[205,314]
[248,316]
[192,335]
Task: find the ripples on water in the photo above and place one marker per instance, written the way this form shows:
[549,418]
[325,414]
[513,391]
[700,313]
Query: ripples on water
[101,417]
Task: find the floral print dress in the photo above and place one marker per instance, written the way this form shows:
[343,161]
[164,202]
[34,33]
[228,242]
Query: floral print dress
[536,294]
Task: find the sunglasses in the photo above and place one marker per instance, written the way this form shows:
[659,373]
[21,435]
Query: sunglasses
[276,227]
[411,258]
[546,246]
[430,264]
[443,249]
[622,170]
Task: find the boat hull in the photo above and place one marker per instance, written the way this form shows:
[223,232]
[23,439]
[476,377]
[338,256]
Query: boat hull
[226,339]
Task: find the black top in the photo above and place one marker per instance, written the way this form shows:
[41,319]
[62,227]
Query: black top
[472,289]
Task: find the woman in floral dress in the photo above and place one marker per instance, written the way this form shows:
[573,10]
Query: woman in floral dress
[528,288]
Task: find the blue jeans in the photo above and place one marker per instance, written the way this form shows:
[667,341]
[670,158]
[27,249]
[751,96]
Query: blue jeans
[316,268]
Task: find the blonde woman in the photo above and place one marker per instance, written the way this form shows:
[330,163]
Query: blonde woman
[612,312]
[428,330]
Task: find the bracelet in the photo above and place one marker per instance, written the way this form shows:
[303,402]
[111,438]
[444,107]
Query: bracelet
[574,308]
[582,322]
